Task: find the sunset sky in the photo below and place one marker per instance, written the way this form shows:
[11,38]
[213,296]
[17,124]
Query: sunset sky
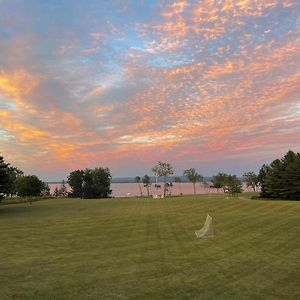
[213,85]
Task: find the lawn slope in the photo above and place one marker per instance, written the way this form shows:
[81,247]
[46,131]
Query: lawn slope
[146,249]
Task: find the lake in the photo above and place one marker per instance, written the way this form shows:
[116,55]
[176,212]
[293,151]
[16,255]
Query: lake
[132,189]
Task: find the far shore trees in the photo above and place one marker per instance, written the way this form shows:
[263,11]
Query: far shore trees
[90,183]
[137,179]
[193,177]
[163,169]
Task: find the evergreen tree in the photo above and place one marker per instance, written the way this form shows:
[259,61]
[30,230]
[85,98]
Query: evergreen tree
[281,179]
[262,180]
[4,177]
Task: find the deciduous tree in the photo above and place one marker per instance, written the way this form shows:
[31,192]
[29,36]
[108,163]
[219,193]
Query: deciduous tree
[29,186]
[193,177]
[251,179]
[163,169]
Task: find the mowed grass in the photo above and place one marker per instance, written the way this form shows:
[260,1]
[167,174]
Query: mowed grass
[146,249]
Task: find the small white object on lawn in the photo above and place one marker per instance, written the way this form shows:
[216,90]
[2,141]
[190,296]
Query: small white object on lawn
[207,229]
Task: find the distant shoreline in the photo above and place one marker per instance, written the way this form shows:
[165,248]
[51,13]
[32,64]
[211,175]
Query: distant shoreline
[131,179]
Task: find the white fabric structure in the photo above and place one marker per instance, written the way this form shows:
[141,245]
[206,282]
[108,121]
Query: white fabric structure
[207,229]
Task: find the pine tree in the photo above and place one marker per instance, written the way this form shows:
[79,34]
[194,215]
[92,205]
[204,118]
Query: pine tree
[4,177]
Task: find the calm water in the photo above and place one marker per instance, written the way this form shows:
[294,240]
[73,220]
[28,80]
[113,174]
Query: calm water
[132,189]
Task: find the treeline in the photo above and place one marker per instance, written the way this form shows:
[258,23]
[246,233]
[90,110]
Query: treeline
[14,182]
[88,183]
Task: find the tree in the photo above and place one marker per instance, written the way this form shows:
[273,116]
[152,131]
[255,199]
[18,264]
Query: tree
[90,183]
[75,181]
[46,190]
[218,181]
[281,179]
[29,186]
[251,179]
[193,177]
[12,173]
[56,192]
[163,169]
[4,177]
[96,183]
[147,183]
[262,180]
[63,189]
[178,181]
[137,179]
[233,185]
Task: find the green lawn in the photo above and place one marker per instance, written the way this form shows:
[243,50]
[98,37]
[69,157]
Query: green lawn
[146,249]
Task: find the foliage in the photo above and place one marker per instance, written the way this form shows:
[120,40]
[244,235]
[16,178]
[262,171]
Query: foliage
[281,179]
[193,177]
[251,179]
[90,183]
[229,183]
[163,169]
[233,185]
[75,181]
[147,183]
[29,186]
[12,173]
[4,177]
[62,192]
[46,190]
[219,181]
[56,192]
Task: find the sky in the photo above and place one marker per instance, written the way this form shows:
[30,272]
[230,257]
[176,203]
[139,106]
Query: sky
[210,84]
